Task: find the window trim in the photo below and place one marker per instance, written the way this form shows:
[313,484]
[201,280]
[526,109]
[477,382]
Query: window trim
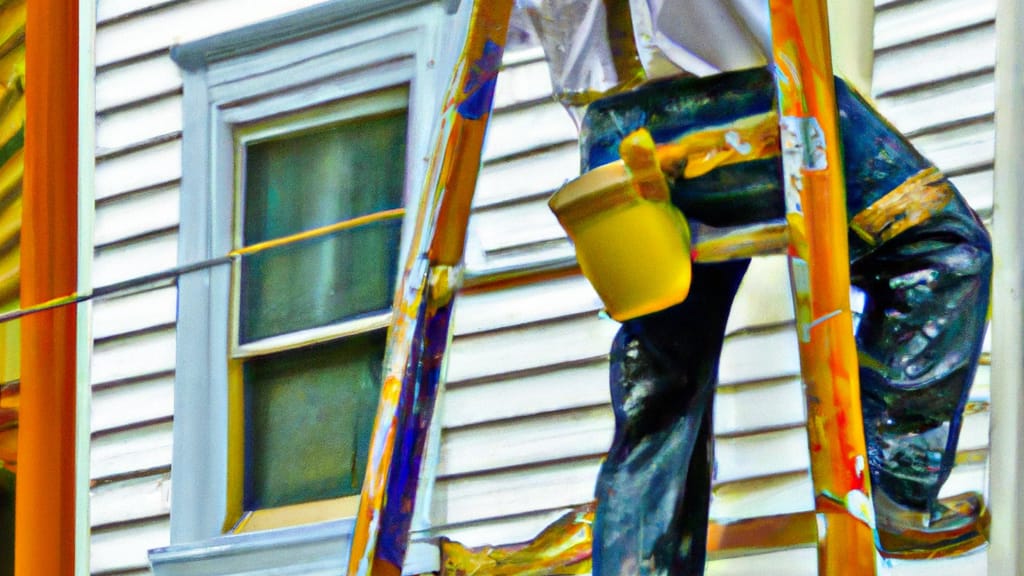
[313,57]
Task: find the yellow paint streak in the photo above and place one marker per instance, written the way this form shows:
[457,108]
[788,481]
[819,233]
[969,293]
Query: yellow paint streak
[564,547]
[744,243]
[915,200]
[381,216]
[298,514]
[700,152]
[236,445]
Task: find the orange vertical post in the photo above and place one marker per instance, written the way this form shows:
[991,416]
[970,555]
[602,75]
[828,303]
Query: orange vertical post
[45,499]
[819,260]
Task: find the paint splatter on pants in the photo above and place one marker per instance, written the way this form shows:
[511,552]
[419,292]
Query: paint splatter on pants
[926,279]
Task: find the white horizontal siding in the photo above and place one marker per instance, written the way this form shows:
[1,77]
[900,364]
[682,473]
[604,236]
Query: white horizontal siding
[134,312]
[126,452]
[936,59]
[136,499]
[133,215]
[139,120]
[118,550]
[140,257]
[127,127]
[154,165]
[141,79]
[178,22]
[134,356]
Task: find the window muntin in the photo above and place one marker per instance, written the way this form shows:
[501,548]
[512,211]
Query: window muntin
[310,316]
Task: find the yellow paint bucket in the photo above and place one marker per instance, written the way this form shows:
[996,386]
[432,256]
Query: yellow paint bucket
[631,242]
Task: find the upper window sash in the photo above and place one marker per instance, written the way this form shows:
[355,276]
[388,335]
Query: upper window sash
[381,102]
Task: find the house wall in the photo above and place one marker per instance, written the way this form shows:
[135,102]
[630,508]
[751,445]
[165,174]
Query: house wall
[525,414]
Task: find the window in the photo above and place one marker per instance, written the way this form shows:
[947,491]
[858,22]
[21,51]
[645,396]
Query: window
[311,316]
[321,117]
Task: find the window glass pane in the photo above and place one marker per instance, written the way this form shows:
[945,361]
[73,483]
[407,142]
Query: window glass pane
[299,183]
[320,281]
[309,417]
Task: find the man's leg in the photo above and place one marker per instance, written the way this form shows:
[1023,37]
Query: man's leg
[653,489]
[923,259]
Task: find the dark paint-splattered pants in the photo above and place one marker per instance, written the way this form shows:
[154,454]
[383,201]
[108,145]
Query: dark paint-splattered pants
[926,284]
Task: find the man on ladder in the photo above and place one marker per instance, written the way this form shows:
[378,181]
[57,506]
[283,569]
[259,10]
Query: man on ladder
[917,252]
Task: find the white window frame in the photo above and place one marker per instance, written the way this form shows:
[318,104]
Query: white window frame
[311,58]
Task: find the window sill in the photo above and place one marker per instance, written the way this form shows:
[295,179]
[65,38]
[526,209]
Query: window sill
[312,550]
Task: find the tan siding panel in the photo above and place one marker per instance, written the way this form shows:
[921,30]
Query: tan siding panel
[519,131]
[126,548]
[128,404]
[550,391]
[523,83]
[141,123]
[515,226]
[540,172]
[526,441]
[764,297]
[502,530]
[129,500]
[529,347]
[113,316]
[131,215]
[143,168]
[133,357]
[182,22]
[760,356]
[793,562]
[490,310]
[783,494]
[119,262]
[766,454]
[139,80]
[965,99]
[960,148]
[127,451]
[759,406]
[515,492]
[977,188]
[935,60]
[911,21]
[110,9]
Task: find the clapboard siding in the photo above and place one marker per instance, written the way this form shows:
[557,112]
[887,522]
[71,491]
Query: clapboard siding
[170,23]
[128,83]
[136,499]
[935,60]
[147,121]
[909,22]
[147,167]
[122,550]
[137,312]
[127,216]
[138,146]
[125,452]
[148,254]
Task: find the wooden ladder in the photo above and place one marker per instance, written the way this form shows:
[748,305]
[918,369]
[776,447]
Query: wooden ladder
[819,265]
